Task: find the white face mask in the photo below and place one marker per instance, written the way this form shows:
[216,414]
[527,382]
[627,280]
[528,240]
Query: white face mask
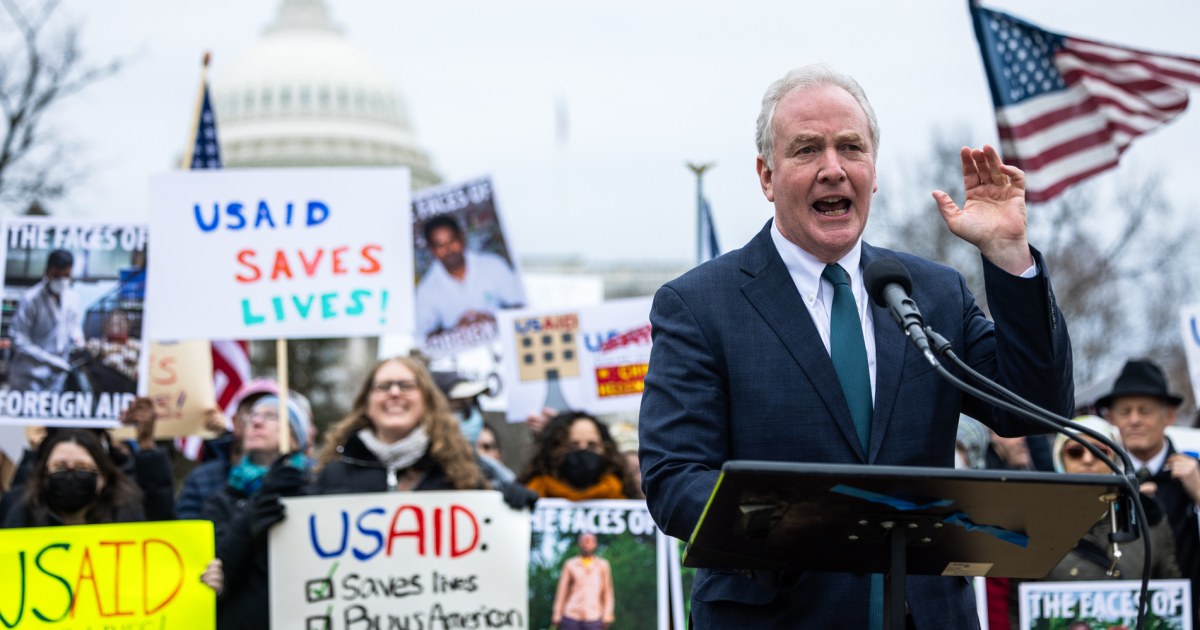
[58,285]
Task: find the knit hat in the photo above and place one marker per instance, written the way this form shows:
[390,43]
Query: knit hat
[251,391]
[1095,423]
[299,418]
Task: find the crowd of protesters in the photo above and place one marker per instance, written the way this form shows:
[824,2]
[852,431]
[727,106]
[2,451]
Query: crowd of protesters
[410,429]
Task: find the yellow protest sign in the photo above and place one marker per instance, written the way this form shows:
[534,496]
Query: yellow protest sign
[136,575]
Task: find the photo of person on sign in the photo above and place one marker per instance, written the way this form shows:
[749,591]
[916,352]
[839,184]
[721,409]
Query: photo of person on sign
[462,288]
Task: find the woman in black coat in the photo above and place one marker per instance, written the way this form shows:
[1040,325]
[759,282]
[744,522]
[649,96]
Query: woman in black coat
[73,481]
[249,504]
[399,435]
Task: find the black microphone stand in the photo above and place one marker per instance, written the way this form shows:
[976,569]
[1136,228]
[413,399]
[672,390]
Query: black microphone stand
[1134,514]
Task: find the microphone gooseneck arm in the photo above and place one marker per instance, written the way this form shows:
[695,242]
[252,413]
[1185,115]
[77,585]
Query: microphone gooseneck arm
[890,286]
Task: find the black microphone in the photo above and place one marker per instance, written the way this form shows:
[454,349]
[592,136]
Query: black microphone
[889,284]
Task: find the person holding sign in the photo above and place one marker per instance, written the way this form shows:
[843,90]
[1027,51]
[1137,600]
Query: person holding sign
[401,436]
[148,466]
[250,504]
[576,458]
[584,598]
[46,327]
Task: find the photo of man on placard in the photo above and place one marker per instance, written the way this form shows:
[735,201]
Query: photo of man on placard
[46,328]
[70,334]
[464,268]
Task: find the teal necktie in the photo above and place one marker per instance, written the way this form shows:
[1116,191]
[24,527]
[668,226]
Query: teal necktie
[849,352]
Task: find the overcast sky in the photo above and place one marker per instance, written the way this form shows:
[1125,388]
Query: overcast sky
[648,86]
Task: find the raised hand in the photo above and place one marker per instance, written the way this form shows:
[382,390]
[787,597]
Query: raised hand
[993,217]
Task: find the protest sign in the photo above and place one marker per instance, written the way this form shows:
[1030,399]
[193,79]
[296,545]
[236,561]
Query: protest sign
[592,357]
[465,268]
[1190,327]
[430,560]
[129,575]
[180,383]
[280,253]
[626,542]
[71,334]
[1104,604]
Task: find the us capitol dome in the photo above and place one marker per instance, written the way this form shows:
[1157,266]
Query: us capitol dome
[304,97]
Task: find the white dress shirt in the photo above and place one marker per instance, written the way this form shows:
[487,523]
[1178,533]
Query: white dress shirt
[817,293]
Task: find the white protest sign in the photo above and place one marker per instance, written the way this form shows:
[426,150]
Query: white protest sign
[73,345]
[400,560]
[280,253]
[590,358]
[1189,317]
[1104,604]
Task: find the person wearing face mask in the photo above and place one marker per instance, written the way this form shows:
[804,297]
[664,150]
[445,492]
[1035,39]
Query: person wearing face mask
[46,326]
[576,458]
[73,481]
[463,396]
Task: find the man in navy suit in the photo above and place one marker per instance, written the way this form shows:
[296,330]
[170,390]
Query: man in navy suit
[741,367]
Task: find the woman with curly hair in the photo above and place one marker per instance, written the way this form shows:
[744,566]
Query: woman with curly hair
[576,458]
[399,435]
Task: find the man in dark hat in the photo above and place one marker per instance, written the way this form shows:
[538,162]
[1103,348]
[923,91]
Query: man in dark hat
[1142,407]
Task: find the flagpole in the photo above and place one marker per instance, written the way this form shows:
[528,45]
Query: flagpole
[698,170]
[189,152]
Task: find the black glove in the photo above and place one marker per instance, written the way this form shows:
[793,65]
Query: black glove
[518,496]
[284,479]
[265,511]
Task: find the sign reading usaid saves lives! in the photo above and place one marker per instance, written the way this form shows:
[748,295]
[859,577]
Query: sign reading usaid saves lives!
[592,357]
[285,253]
[1106,604]
[413,560]
[71,332]
[134,575]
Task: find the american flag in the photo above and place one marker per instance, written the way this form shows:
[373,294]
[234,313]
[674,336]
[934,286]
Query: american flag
[205,151]
[1067,108]
[231,359]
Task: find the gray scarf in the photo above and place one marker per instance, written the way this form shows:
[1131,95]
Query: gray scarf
[398,455]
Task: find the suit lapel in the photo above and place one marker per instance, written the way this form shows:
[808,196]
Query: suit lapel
[773,294]
[890,346]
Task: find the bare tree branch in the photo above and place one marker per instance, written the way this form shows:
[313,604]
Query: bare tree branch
[36,74]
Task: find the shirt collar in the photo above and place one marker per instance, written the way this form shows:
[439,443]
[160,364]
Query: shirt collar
[806,269]
[1155,464]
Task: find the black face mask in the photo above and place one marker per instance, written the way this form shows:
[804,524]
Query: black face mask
[582,468]
[69,491]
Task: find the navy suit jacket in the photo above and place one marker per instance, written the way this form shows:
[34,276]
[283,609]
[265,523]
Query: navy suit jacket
[738,371]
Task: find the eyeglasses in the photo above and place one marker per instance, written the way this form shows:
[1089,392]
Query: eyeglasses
[1076,451]
[385,387]
[265,416]
[62,467]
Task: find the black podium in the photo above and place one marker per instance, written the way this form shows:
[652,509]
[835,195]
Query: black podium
[895,520]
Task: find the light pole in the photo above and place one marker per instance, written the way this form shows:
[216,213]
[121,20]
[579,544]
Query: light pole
[699,169]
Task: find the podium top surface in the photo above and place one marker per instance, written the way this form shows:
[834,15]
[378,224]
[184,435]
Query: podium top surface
[836,517]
